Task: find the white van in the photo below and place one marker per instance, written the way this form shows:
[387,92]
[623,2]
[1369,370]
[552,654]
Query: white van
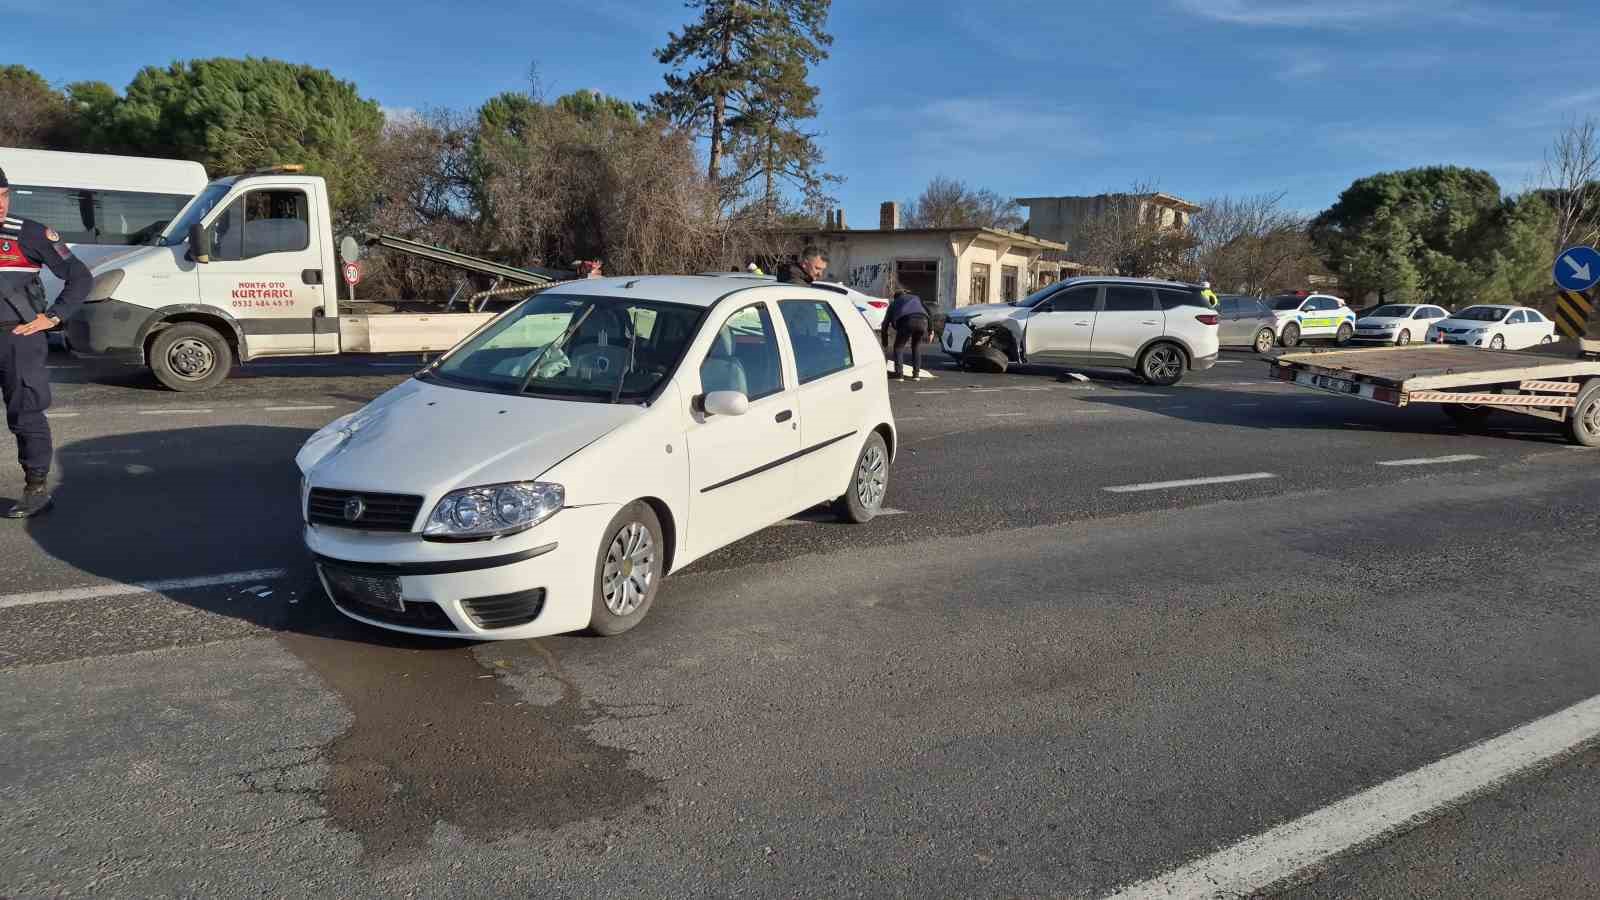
[100,204]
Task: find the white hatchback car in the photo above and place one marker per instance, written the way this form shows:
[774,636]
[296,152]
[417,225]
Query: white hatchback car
[1495,327]
[1313,316]
[1398,323]
[548,472]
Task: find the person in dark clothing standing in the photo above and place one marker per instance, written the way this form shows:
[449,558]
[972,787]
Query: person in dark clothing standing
[909,318]
[813,263]
[25,316]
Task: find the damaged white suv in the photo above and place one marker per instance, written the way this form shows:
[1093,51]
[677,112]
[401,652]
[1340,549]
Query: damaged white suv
[1157,329]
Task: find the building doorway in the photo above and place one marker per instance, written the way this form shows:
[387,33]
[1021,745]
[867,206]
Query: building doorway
[920,277]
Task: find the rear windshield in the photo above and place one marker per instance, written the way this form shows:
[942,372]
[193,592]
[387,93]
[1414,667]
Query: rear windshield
[1284,304]
[1483,314]
[1391,311]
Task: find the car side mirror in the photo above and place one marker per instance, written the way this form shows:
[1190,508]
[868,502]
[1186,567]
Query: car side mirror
[199,243]
[726,403]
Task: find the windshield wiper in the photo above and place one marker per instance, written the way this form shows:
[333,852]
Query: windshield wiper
[565,336]
[633,345]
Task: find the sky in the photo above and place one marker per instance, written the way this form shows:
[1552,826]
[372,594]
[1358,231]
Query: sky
[1198,98]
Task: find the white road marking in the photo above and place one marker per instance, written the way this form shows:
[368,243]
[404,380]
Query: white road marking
[59,415]
[295,408]
[145,587]
[1003,415]
[984,390]
[1230,362]
[930,392]
[1253,864]
[1431,460]
[174,412]
[1188,482]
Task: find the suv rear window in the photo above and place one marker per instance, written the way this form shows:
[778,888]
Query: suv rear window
[1172,298]
[1286,304]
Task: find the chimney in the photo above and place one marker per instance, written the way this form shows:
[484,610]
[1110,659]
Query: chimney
[839,219]
[889,216]
[828,223]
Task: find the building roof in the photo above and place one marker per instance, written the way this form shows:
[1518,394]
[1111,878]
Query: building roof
[1159,197]
[999,234]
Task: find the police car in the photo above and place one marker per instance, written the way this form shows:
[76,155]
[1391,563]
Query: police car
[1303,315]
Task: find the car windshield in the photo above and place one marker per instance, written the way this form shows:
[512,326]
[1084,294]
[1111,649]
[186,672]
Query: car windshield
[1391,311]
[1482,314]
[1284,304]
[596,349]
[1037,297]
[203,203]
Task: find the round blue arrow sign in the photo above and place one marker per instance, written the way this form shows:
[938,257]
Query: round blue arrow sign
[1578,268]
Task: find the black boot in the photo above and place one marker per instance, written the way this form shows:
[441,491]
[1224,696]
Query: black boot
[35,496]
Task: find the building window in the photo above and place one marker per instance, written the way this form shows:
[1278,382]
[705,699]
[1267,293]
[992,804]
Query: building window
[1008,283]
[980,284]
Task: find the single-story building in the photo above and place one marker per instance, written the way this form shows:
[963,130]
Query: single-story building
[949,267]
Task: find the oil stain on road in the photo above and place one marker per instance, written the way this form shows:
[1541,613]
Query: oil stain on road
[438,739]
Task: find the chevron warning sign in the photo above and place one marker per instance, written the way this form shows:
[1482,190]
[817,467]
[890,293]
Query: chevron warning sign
[1574,310]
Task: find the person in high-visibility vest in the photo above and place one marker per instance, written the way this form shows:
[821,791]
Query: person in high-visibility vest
[1209,295]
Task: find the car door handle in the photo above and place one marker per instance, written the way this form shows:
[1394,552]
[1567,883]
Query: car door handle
[857,386]
[785,416]
[1150,322]
[1082,324]
[311,276]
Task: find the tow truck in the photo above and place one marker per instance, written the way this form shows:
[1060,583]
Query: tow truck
[1558,382]
[247,270]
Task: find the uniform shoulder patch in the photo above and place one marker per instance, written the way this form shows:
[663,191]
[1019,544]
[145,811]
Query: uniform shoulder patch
[51,235]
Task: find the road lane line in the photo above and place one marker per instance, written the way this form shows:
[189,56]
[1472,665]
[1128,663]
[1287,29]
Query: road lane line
[144,587]
[1268,858]
[174,412]
[930,392]
[60,415]
[295,408]
[984,390]
[1003,415]
[1188,482]
[1431,460]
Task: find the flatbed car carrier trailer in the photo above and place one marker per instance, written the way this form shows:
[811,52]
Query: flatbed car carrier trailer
[1559,382]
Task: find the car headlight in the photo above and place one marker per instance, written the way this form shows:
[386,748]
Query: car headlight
[494,510]
[1479,331]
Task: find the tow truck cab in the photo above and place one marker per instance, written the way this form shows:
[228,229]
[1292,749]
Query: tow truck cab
[246,271]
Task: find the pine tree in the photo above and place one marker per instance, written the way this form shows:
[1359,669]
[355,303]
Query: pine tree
[739,73]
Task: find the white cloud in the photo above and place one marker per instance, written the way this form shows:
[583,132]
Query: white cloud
[1570,101]
[1335,14]
[400,115]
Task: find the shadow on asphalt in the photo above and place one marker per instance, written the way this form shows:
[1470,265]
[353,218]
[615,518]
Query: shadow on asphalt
[198,502]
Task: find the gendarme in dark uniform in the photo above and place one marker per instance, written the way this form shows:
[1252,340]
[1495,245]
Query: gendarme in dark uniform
[25,315]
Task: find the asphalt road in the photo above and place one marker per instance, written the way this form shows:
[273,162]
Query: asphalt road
[1054,673]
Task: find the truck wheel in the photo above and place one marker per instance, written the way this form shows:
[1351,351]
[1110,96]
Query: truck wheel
[627,571]
[1162,365]
[1344,334]
[190,357]
[1584,426]
[869,482]
[987,359]
[1290,336]
[1264,340]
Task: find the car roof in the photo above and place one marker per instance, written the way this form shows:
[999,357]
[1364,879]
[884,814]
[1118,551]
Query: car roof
[1119,279]
[690,290]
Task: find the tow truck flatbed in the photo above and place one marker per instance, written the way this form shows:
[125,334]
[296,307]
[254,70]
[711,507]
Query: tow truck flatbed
[1559,382]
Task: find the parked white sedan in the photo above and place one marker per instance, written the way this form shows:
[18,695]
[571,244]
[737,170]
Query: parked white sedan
[547,473]
[1398,323]
[1495,327]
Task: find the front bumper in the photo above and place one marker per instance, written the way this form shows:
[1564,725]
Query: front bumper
[460,590]
[953,341]
[109,329]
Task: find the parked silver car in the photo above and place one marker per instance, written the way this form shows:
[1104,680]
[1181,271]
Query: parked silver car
[1246,322]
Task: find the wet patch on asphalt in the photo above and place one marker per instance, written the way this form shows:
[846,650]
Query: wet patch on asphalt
[437,738]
